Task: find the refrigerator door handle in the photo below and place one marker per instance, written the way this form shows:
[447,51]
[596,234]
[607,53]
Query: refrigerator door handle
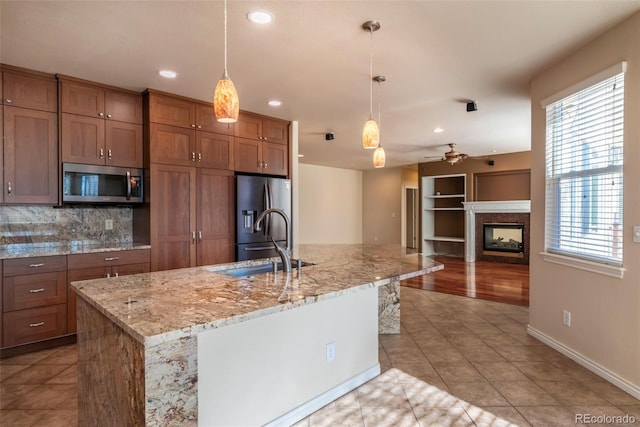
[265,206]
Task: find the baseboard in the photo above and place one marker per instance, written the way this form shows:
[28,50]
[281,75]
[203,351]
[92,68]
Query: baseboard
[594,367]
[324,399]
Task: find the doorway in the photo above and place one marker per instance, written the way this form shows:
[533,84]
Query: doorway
[410,218]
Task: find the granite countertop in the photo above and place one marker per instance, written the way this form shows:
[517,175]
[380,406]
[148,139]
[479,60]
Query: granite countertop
[27,250]
[167,305]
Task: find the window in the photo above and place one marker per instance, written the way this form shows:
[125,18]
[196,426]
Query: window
[584,177]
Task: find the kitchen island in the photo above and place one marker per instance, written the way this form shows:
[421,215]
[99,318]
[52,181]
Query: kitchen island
[196,346]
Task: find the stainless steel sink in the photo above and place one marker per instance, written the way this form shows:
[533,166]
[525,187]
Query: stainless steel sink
[251,270]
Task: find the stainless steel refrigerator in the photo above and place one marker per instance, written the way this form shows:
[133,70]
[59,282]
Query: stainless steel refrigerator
[254,194]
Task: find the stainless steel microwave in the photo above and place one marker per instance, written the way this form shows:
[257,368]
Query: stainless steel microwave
[101,184]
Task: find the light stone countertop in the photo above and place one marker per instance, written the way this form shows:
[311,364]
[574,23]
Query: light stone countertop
[28,250]
[167,305]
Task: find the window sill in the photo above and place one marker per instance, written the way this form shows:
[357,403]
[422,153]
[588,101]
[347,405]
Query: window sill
[594,267]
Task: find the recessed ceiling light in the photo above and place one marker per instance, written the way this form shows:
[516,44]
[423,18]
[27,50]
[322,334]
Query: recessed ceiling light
[274,103]
[168,74]
[438,130]
[260,17]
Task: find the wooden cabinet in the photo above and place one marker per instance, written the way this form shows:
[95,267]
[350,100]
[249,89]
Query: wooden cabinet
[191,216]
[29,127]
[100,125]
[98,266]
[442,210]
[180,146]
[30,156]
[26,89]
[34,299]
[261,145]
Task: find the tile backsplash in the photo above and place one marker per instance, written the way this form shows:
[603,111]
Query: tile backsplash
[46,224]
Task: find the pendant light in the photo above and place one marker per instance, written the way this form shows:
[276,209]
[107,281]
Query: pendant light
[226,104]
[379,157]
[371,133]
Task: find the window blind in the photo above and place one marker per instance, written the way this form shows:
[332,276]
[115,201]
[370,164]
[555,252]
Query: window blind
[584,176]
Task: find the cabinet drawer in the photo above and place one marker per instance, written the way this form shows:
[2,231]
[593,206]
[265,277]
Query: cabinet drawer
[105,259]
[34,290]
[35,265]
[34,324]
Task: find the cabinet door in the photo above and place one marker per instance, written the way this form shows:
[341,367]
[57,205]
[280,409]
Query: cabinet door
[172,111]
[30,156]
[82,139]
[123,142]
[247,155]
[248,126]
[216,216]
[81,98]
[2,189]
[172,145]
[34,290]
[206,120]
[35,324]
[123,106]
[275,159]
[214,150]
[276,131]
[173,217]
[22,90]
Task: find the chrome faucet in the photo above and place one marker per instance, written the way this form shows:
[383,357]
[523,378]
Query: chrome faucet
[285,253]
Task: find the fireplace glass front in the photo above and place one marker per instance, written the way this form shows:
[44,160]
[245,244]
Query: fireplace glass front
[501,237]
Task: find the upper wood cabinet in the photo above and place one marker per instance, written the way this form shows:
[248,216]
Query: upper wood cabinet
[93,100]
[100,125]
[253,126]
[30,156]
[29,90]
[182,112]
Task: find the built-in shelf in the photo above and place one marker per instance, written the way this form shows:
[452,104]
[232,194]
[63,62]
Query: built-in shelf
[443,198]
[444,239]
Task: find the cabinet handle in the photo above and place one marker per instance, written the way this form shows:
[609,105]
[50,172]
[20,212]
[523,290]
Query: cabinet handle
[200,235]
[9,189]
[259,164]
[100,114]
[112,258]
[108,275]
[199,126]
[199,157]
[40,264]
[101,153]
[264,165]
[108,116]
[264,138]
[36,291]
[109,154]
[193,236]
[116,274]
[8,101]
[193,156]
[193,125]
[35,325]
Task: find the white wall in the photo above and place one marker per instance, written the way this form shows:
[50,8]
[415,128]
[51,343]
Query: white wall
[605,311]
[329,205]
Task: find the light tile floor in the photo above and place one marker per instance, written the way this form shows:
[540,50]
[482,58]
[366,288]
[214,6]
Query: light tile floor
[457,362]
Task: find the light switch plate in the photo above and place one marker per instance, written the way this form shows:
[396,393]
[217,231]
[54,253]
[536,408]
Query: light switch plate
[636,233]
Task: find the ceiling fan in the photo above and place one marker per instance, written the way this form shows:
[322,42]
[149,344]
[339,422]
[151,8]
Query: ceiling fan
[453,156]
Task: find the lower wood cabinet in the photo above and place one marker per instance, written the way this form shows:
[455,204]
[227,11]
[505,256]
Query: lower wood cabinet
[34,299]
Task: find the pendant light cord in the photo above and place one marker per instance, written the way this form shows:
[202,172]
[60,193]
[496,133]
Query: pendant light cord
[225,39]
[371,74]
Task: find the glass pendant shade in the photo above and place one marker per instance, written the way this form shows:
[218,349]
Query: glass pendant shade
[370,134]
[379,157]
[226,104]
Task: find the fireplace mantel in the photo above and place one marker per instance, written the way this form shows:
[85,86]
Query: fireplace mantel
[470,210]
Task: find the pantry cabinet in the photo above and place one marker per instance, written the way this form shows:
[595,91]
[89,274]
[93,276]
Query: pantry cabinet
[100,125]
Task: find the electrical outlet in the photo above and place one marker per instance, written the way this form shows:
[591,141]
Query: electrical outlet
[108,224]
[566,318]
[331,352]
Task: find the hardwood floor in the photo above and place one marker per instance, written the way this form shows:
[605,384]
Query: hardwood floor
[492,281]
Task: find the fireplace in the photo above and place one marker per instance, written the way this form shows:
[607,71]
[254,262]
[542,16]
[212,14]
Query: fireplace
[503,237]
